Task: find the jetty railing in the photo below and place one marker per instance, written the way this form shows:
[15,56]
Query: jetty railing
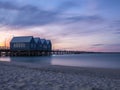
[4,48]
[5,51]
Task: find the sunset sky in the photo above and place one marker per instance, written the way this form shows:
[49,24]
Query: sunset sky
[86,25]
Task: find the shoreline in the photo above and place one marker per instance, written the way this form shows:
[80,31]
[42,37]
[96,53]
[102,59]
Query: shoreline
[61,68]
[53,77]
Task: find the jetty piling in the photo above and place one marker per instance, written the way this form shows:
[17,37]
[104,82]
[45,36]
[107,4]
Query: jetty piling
[8,52]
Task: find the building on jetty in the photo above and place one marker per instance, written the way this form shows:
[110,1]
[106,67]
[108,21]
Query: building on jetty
[49,45]
[22,43]
[30,46]
[38,43]
[44,44]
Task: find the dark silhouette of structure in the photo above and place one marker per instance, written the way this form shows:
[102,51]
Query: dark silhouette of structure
[30,43]
[22,43]
[30,46]
[44,44]
[38,43]
[49,45]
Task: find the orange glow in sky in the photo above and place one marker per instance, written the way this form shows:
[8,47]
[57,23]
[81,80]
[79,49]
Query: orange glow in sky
[70,24]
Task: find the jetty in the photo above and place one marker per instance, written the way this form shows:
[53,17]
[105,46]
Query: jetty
[32,46]
[6,51]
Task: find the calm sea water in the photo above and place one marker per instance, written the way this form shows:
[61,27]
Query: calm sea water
[80,60]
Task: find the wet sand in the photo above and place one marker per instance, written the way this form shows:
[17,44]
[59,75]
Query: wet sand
[26,76]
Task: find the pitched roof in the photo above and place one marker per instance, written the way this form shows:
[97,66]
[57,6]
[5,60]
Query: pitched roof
[37,40]
[42,40]
[22,39]
[48,41]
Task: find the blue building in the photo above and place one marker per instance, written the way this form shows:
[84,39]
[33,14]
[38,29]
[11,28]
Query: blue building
[49,45]
[44,44]
[38,43]
[23,43]
[30,43]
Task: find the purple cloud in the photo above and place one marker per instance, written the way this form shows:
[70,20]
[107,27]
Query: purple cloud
[30,16]
[97,45]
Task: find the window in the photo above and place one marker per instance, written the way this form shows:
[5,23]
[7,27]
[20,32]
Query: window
[19,45]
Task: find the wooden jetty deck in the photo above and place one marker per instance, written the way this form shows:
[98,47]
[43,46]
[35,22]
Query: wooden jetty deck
[5,51]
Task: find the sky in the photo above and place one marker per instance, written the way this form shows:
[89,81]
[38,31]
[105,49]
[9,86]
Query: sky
[85,25]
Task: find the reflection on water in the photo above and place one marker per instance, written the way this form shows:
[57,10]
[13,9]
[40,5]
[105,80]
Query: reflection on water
[5,59]
[81,60]
[40,60]
[89,60]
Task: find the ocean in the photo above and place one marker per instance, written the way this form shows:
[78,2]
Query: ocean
[77,60]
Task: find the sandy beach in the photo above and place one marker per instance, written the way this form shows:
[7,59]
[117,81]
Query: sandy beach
[26,76]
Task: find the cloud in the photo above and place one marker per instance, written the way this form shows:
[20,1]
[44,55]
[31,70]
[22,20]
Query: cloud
[112,47]
[97,45]
[26,16]
[29,15]
[8,6]
[66,5]
[14,15]
[88,19]
[117,32]
[117,44]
